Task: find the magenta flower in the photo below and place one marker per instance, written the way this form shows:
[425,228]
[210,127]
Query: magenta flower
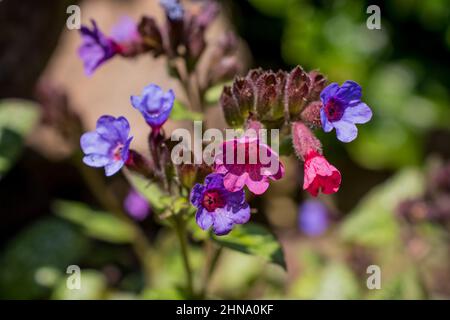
[342,109]
[217,207]
[154,104]
[247,161]
[126,35]
[96,48]
[136,205]
[107,146]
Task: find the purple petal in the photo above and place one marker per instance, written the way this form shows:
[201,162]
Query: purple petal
[204,219]
[126,150]
[123,128]
[96,160]
[328,92]
[107,130]
[92,142]
[196,194]
[223,221]
[359,113]
[136,205]
[125,30]
[242,216]
[346,131]
[313,218]
[326,125]
[349,91]
[113,167]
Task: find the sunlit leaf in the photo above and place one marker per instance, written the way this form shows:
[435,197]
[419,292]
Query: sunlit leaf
[256,240]
[373,222]
[181,112]
[97,224]
[17,119]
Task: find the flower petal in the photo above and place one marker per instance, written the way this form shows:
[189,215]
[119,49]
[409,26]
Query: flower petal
[345,130]
[359,113]
[349,91]
[204,219]
[223,221]
[328,92]
[242,216]
[92,142]
[234,182]
[96,160]
[326,125]
[113,167]
[257,187]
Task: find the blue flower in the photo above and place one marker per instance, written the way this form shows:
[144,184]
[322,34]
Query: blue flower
[107,146]
[96,48]
[342,109]
[173,8]
[313,218]
[154,104]
[218,207]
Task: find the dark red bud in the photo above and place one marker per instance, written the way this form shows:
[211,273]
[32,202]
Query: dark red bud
[230,108]
[151,35]
[244,93]
[296,92]
[139,164]
[318,82]
[267,94]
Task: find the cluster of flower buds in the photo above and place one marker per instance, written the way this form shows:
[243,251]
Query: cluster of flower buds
[271,97]
[434,205]
[182,36]
[300,101]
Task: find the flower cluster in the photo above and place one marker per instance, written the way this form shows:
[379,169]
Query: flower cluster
[182,36]
[300,101]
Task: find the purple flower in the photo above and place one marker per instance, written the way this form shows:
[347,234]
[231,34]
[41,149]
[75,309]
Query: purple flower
[342,108]
[96,48]
[154,104]
[173,8]
[136,205]
[218,207]
[313,218]
[107,146]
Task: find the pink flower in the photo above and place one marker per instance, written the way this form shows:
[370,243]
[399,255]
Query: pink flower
[247,161]
[320,175]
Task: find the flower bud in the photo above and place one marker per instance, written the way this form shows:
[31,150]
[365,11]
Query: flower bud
[304,140]
[139,164]
[244,93]
[151,35]
[230,108]
[267,94]
[317,83]
[187,174]
[311,114]
[297,88]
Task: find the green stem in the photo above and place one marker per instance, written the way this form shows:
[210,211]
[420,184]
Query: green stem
[180,228]
[109,202]
[213,260]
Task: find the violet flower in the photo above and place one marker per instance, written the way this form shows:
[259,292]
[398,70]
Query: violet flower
[155,105]
[173,8]
[96,48]
[313,218]
[107,146]
[218,207]
[136,205]
[342,109]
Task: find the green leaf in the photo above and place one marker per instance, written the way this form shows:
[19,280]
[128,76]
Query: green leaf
[181,112]
[34,258]
[338,283]
[17,119]
[150,190]
[93,287]
[212,95]
[255,240]
[96,224]
[372,222]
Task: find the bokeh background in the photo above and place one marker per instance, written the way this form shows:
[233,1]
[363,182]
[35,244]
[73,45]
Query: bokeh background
[393,208]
